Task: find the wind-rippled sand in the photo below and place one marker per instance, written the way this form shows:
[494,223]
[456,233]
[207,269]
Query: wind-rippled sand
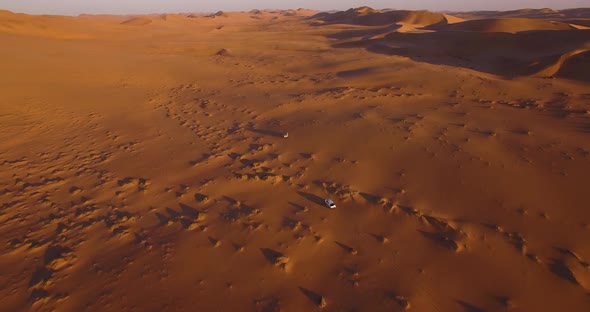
[143,165]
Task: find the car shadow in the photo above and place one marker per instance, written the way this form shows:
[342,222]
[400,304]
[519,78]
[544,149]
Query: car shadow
[313,198]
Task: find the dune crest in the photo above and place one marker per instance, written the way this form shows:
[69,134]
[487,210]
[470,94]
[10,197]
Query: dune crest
[541,14]
[137,21]
[53,26]
[561,64]
[370,17]
[509,25]
[450,19]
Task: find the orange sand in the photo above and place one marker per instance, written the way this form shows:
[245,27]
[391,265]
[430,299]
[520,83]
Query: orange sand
[143,165]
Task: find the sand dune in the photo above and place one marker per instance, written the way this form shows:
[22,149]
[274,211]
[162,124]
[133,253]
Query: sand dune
[450,19]
[546,13]
[525,13]
[578,22]
[563,64]
[147,168]
[219,14]
[502,54]
[370,17]
[63,27]
[510,25]
[137,21]
[104,18]
[576,13]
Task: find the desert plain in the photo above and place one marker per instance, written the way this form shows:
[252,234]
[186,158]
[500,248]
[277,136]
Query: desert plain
[144,164]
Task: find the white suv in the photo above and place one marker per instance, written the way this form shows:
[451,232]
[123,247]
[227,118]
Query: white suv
[330,203]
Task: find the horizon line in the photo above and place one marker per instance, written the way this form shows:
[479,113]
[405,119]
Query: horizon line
[295,9]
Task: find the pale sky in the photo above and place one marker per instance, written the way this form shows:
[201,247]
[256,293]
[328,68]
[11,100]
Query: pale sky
[74,7]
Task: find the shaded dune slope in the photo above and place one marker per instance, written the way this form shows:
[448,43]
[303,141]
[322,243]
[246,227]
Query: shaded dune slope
[545,13]
[507,47]
[573,64]
[578,22]
[366,16]
[137,21]
[505,25]
[499,53]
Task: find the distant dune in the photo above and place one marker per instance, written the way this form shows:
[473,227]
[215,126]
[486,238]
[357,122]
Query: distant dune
[369,17]
[137,21]
[54,26]
[510,25]
[505,47]
[545,13]
[451,19]
[576,13]
[4,13]
[527,12]
[219,14]
[106,18]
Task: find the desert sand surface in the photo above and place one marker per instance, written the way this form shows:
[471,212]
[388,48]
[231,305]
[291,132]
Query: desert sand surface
[143,163]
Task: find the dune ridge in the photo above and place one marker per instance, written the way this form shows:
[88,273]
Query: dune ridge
[510,25]
[370,17]
[55,26]
[137,21]
[556,66]
[546,14]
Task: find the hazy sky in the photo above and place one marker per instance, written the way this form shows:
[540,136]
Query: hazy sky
[74,7]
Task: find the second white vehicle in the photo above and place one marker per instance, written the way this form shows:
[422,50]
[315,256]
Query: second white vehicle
[330,203]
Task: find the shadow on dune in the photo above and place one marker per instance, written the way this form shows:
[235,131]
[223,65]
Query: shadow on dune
[441,239]
[503,54]
[531,13]
[37,294]
[201,197]
[314,297]
[371,198]
[365,16]
[54,252]
[230,200]
[346,248]
[364,33]
[559,268]
[189,211]
[271,255]
[41,274]
[576,67]
[357,72]
[162,218]
[173,214]
[477,45]
[469,307]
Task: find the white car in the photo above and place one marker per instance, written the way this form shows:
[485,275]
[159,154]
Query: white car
[330,203]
